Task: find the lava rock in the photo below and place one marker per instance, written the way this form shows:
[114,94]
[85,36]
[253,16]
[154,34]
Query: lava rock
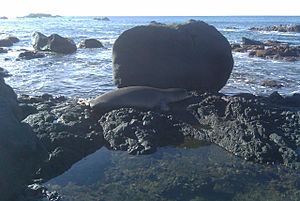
[193,55]
[53,43]
[141,132]
[90,43]
[66,129]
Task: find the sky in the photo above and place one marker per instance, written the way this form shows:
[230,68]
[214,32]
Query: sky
[13,8]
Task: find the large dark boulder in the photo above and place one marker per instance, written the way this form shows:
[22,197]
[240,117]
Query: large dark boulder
[53,43]
[20,151]
[193,55]
[90,43]
[6,42]
[247,41]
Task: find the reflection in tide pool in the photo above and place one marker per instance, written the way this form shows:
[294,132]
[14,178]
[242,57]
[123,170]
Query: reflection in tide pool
[205,173]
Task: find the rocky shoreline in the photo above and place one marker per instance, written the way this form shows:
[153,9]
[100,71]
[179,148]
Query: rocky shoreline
[259,129]
[274,50]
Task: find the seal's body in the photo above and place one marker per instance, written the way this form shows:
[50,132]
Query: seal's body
[142,97]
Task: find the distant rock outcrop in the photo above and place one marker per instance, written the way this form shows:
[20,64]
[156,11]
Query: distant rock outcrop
[39,15]
[3,18]
[102,18]
[53,43]
[269,50]
[90,43]
[280,28]
[193,55]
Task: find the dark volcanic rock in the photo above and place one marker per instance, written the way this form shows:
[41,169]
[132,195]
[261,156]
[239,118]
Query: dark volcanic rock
[141,132]
[260,129]
[247,41]
[90,43]
[6,43]
[66,129]
[255,128]
[280,28]
[13,39]
[3,50]
[28,55]
[193,55]
[20,151]
[269,50]
[53,43]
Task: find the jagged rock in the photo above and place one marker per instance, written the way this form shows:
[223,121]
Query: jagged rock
[53,43]
[193,55]
[141,132]
[67,130]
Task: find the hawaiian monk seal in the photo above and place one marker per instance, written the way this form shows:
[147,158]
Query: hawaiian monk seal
[142,97]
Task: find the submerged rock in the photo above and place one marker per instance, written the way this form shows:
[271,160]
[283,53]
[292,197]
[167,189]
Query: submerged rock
[2,50]
[28,55]
[193,55]
[53,43]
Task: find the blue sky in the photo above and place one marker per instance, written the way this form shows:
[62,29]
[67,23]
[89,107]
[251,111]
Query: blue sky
[13,8]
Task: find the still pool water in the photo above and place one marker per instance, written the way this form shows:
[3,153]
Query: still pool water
[194,173]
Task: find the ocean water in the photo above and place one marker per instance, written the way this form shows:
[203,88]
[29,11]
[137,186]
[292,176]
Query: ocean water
[88,72]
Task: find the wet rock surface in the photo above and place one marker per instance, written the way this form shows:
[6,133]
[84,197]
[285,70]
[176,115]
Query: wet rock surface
[28,55]
[260,129]
[268,50]
[53,43]
[280,28]
[90,43]
[65,128]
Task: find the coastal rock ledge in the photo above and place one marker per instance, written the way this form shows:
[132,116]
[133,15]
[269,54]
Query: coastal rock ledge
[194,56]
